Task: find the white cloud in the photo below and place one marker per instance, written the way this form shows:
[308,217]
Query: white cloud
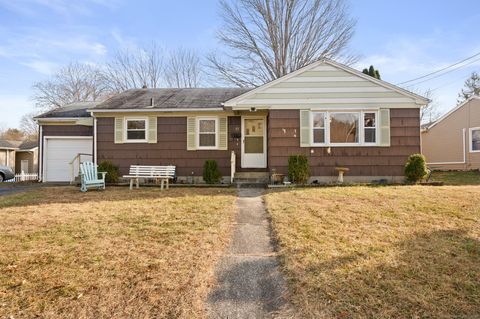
[66,8]
[44,67]
[404,58]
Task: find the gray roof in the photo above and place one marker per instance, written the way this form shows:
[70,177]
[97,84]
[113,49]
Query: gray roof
[28,144]
[21,145]
[9,144]
[186,98]
[77,109]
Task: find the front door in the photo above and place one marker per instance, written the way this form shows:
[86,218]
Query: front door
[254,142]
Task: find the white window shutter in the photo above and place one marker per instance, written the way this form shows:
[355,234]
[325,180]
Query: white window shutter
[152,129]
[223,133]
[119,130]
[191,133]
[384,127]
[305,129]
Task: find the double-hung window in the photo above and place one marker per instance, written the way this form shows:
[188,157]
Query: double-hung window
[475,139]
[318,127]
[136,130]
[344,128]
[370,127]
[207,133]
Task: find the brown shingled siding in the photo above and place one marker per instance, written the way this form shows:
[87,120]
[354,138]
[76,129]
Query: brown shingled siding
[171,147]
[362,161]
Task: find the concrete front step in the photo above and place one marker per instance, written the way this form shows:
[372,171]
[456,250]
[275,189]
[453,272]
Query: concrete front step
[259,178]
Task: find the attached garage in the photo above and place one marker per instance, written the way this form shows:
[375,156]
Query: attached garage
[64,133]
[59,152]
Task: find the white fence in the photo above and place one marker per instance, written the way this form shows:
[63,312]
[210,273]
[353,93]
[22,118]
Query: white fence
[23,178]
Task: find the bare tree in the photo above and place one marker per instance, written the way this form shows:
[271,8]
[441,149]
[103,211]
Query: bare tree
[75,82]
[183,69]
[267,39]
[134,69]
[13,134]
[28,125]
[429,113]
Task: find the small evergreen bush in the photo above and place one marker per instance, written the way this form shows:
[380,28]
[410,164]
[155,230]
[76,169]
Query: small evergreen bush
[211,173]
[112,171]
[298,170]
[415,168]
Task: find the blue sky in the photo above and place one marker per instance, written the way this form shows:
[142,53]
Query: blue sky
[403,39]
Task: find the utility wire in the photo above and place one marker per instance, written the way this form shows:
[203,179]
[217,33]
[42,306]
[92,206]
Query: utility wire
[439,75]
[443,69]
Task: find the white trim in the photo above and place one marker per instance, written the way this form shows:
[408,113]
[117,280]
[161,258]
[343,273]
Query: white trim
[417,98]
[44,158]
[305,102]
[58,119]
[242,128]
[95,141]
[470,139]
[197,133]
[474,97]
[211,109]
[361,128]
[40,157]
[125,130]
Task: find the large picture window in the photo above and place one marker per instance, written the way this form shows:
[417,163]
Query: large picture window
[344,128]
[136,130]
[207,133]
[475,139]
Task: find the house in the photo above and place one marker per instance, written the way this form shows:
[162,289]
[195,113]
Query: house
[453,141]
[20,156]
[335,115]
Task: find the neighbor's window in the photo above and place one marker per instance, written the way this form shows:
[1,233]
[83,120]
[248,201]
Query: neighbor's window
[318,127]
[344,127]
[370,127]
[207,133]
[475,139]
[136,130]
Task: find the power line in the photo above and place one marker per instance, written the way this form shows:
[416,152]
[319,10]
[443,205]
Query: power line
[449,71]
[443,69]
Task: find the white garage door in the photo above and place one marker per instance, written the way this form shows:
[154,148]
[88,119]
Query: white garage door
[59,152]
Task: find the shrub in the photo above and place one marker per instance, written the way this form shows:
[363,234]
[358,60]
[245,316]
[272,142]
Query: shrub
[112,171]
[415,168]
[211,173]
[298,170]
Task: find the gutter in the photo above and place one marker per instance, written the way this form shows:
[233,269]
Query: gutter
[216,109]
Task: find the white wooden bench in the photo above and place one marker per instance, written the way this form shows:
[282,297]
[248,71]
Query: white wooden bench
[162,173]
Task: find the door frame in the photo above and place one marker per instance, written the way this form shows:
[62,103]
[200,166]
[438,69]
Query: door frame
[264,118]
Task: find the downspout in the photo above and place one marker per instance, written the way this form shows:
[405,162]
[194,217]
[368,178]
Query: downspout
[95,140]
[40,158]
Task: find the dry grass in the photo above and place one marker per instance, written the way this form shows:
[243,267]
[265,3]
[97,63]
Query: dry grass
[110,254]
[381,252]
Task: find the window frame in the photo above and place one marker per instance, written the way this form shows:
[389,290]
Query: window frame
[361,128]
[125,130]
[197,133]
[470,133]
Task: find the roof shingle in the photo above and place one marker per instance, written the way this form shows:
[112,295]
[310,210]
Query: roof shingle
[185,98]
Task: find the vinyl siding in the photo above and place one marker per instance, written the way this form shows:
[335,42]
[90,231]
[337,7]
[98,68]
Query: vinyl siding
[444,141]
[330,86]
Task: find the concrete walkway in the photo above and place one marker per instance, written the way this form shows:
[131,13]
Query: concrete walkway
[249,284]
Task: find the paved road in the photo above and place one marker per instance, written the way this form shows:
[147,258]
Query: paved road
[249,283]
[10,189]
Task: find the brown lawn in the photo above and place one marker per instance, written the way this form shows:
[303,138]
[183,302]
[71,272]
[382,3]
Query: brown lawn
[380,252]
[110,254]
